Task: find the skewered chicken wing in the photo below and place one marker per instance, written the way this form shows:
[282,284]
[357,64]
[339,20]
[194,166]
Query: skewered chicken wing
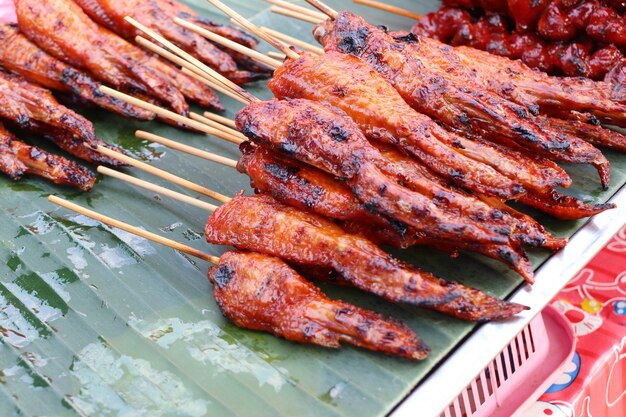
[310,189]
[18,159]
[83,44]
[456,102]
[111,14]
[261,224]
[263,293]
[30,107]
[19,55]
[346,82]
[327,139]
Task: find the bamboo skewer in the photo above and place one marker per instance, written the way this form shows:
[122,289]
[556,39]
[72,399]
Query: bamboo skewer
[253,28]
[389,8]
[156,188]
[258,56]
[169,114]
[276,55]
[186,148]
[163,174]
[189,69]
[323,8]
[220,119]
[293,41]
[178,51]
[133,229]
[227,131]
[249,52]
[296,8]
[233,133]
[211,82]
[297,15]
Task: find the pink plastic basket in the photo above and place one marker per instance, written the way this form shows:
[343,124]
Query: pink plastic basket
[521,372]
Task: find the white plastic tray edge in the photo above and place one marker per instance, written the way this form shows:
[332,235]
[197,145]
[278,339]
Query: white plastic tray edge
[442,386]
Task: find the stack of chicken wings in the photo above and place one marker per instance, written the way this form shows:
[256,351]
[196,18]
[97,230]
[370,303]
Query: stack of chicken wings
[73,48]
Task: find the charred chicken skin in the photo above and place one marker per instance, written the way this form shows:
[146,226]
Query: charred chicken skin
[348,83]
[261,224]
[30,107]
[450,100]
[19,55]
[94,50]
[328,139]
[310,189]
[111,14]
[564,97]
[18,159]
[107,56]
[260,292]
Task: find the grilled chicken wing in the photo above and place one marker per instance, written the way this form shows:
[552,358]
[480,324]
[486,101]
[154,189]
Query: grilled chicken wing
[310,189]
[456,102]
[19,55]
[30,107]
[263,225]
[18,159]
[260,292]
[105,55]
[327,139]
[349,84]
[111,14]
[561,97]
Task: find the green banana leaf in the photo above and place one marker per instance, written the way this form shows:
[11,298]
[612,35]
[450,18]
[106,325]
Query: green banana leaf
[94,321]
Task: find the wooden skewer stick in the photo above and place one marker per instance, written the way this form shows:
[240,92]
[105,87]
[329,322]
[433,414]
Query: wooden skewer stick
[293,41]
[323,8]
[189,69]
[178,51]
[225,127]
[211,82]
[254,29]
[258,56]
[389,8]
[272,63]
[235,136]
[220,119]
[168,114]
[186,149]
[276,55]
[156,188]
[297,8]
[296,15]
[163,174]
[133,229]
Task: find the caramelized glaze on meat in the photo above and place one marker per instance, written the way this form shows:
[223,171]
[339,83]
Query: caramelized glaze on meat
[111,14]
[261,224]
[105,55]
[457,102]
[19,55]
[33,108]
[349,84]
[18,159]
[260,292]
[328,139]
[310,189]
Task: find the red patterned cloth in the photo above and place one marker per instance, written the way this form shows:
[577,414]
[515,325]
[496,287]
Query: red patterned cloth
[594,383]
[7,11]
